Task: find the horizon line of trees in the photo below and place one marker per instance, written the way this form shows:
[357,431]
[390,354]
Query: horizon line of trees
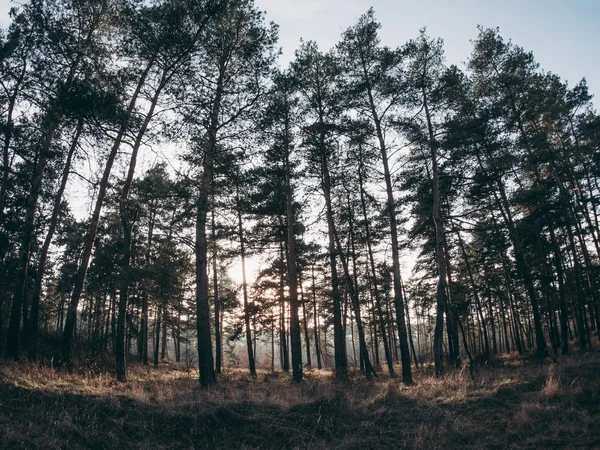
[327,170]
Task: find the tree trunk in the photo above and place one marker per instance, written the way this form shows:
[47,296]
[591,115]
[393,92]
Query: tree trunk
[93,228]
[8,133]
[251,364]
[374,278]
[35,301]
[295,341]
[305,316]
[410,335]
[391,209]
[283,347]
[163,346]
[157,329]
[339,338]
[218,340]
[442,298]
[50,125]
[205,354]
[352,287]
[316,321]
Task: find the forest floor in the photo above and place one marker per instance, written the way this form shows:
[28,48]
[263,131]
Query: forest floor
[512,402]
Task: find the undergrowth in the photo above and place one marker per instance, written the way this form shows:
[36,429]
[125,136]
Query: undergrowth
[512,402]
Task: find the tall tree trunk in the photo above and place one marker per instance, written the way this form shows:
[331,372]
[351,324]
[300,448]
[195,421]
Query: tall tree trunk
[122,307]
[374,278]
[295,341]
[391,209]
[35,300]
[474,291]
[251,364]
[541,348]
[50,125]
[580,298]
[165,322]
[128,219]
[218,340]
[157,330]
[19,304]
[93,228]
[504,326]
[144,324]
[364,352]
[205,354]
[316,321]
[144,328]
[283,347]
[374,338]
[273,322]
[442,298]
[410,335]
[523,268]
[353,290]
[8,134]
[339,338]
[305,315]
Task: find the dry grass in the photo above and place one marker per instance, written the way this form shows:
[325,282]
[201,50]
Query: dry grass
[512,403]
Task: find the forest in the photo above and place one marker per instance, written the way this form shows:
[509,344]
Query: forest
[395,222]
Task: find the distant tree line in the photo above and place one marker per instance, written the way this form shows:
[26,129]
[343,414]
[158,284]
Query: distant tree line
[194,150]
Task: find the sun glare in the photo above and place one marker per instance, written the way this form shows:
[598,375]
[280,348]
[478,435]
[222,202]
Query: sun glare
[252,269]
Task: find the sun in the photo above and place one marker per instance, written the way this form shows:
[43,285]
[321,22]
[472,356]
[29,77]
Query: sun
[252,269]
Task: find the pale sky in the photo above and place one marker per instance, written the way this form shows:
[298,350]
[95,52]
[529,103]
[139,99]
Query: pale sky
[563,34]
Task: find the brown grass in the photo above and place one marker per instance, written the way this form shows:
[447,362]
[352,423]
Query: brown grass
[513,402]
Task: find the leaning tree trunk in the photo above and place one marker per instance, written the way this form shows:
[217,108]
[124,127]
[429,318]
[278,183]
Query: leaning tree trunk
[93,227]
[50,126]
[521,260]
[398,300]
[391,209]
[374,279]
[524,270]
[8,135]
[127,222]
[364,352]
[35,300]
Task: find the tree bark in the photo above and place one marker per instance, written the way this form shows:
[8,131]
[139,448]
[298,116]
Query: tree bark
[374,278]
[339,338]
[316,321]
[295,341]
[251,364]
[95,220]
[35,301]
[50,125]
[216,301]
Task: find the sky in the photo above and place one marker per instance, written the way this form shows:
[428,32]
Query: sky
[564,35]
